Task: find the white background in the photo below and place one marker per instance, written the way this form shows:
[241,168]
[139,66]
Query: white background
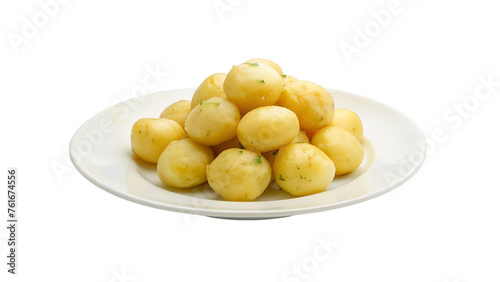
[441,225]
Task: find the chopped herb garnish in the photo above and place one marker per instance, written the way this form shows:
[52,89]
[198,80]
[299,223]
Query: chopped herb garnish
[240,152]
[240,146]
[281,178]
[258,160]
[261,81]
[298,167]
[252,64]
[276,152]
[283,75]
[301,177]
[206,103]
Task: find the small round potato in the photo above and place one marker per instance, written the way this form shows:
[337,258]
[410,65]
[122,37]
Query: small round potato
[271,155]
[268,128]
[312,104]
[267,62]
[210,87]
[252,85]
[302,169]
[341,146]
[213,121]
[150,136]
[239,174]
[349,121]
[183,163]
[178,111]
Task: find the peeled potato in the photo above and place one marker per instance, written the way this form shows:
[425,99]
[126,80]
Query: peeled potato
[210,87]
[349,121]
[267,62]
[268,128]
[253,85]
[312,104]
[341,146]
[213,121]
[150,136]
[302,169]
[183,163]
[271,155]
[239,174]
[178,111]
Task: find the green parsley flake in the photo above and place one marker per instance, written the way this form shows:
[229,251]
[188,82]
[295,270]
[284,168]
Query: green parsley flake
[258,160]
[283,75]
[261,81]
[281,178]
[240,152]
[276,152]
[252,64]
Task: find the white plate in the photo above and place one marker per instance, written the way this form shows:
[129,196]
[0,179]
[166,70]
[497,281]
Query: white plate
[100,150]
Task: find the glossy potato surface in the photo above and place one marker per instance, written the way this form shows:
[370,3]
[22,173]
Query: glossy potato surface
[239,174]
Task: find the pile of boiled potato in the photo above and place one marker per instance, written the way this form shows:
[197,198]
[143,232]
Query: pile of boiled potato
[246,128]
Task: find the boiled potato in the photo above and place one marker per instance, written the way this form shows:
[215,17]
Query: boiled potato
[267,62]
[349,121]
[252,85]
[271,155]
[239,174]
[178,111]
[210,87]
[183,163]
[268,128]
[150,136]
[312,104]
[219,148]
[302,169]
[213,121]
[341,146]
